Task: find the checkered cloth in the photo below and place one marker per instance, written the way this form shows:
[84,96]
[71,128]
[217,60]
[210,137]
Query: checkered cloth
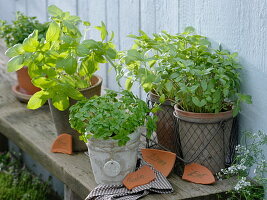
[119,192]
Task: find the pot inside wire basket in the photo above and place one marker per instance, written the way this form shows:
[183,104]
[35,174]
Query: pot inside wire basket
[209,143]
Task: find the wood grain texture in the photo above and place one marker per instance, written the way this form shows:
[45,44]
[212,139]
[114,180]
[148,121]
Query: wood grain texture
[147,24]
[238,25]
[186,10]
[66,5]
[96,15]
[129,23]
[11,77]
[112,22]
[21,5]
[37,9]
[7,10]
[167,15]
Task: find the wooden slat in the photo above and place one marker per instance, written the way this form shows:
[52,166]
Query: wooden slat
[112,20]
[148,24]
[7,10]
[129,19]
[37,9]
[167,16]
[186,14]
[66,5]
[96,14]
[253,36]
[20,5]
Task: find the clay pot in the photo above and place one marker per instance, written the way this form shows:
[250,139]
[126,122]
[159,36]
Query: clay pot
[24,82]
[61,118]
[166,124]
[205,137]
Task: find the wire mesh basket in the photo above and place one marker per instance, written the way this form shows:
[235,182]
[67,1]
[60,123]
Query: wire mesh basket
[211,144]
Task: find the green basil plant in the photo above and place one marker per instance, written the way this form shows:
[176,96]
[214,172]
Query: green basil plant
[186,69]
[111,117]
[61,63]
[20,28]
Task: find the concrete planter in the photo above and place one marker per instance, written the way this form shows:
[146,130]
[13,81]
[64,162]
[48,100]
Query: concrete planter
[61,118]
[110,162]
[205,137]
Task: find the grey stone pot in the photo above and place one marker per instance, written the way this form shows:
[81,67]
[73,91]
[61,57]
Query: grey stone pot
[110,162]
[61,118]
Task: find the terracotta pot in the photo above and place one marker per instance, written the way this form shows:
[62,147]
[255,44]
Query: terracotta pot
[24,82]
[166,124]
[205,137]
[61,118]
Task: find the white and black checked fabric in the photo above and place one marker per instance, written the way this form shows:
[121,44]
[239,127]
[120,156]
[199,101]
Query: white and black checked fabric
[119,192]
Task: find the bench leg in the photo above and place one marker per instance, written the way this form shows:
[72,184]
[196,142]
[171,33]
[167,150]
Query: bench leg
[3,143]
[69,194]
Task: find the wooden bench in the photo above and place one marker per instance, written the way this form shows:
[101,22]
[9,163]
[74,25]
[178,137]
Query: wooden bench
[33,131]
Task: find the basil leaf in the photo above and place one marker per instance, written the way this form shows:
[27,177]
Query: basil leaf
[53,32]
[15,63]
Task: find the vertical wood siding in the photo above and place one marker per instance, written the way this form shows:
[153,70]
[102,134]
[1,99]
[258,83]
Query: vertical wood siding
[239,25]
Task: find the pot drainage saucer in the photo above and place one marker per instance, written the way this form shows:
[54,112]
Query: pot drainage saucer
[22,97]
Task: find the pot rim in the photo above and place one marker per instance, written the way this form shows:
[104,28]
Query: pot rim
[185,115]
[155,98]
[99,81]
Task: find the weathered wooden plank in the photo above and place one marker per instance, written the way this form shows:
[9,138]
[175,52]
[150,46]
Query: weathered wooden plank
[253,35]
[20,5]
[112,22]
[167,16]
[7,10]
[129,19]
[37,9]
[186,10]
[82,11]
[67,5]
[11,77]
[148,24]
[206,16]
[69,194]
[37,144]
[97,14]
[148,16]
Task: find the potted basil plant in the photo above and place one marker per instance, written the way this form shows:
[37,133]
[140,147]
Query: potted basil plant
[111,126]
[152,63]
[63,66]
[207,98]
[13,34]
